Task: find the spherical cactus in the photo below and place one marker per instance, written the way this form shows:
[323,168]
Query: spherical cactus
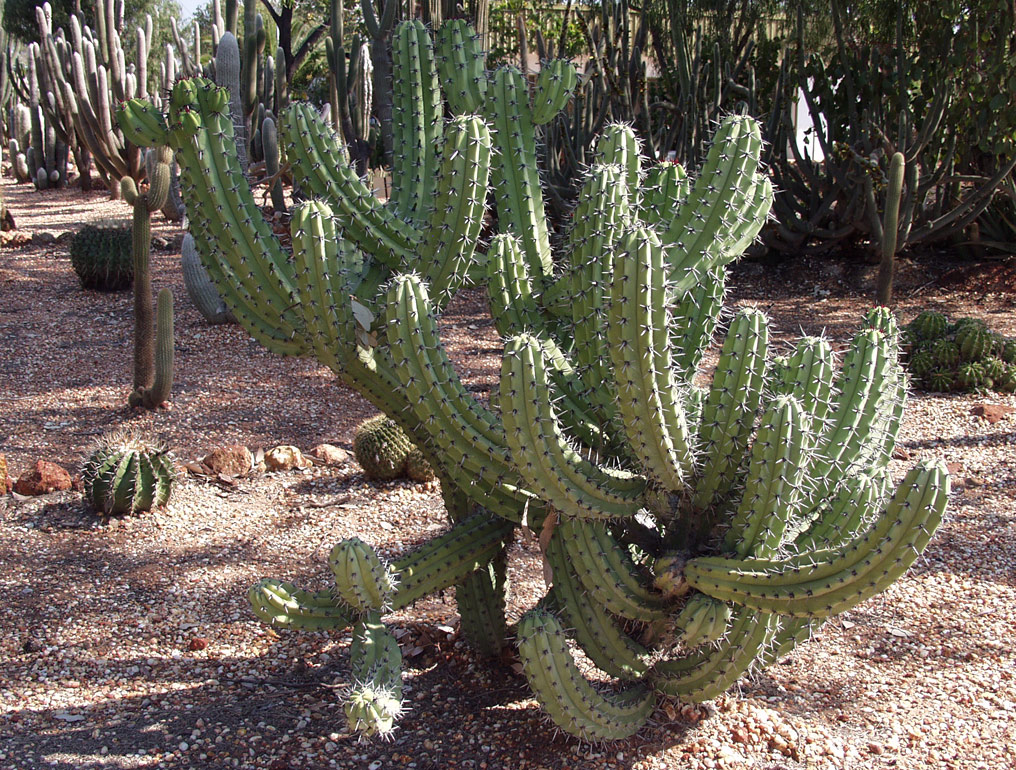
[941,380]
[994,369]
[946,354]
[974,342]
[101,256]
[921,363]
[1009,351]
[963,323]
[417,467]
[381,447]
[1007,380]
[929,325]
[127,473]
[971,376]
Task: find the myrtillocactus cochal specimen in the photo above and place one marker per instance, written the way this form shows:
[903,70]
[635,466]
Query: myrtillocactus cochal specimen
[693,533]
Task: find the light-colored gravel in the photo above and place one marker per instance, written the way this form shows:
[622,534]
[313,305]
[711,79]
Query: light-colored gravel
[130,644]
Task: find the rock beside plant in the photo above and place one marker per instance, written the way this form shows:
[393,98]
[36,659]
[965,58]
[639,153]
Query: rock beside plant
[43,478]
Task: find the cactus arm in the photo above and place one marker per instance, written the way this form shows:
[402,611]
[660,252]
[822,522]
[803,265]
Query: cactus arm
[283,605]
[607,572]
[142,124]
[808,376]
[728,414]
[460,67]
[200,287]
[826,582]
[727,204]
[445,560]
[565,694]
[270,141]
[863,414]
[542,454]
[554,87]
[664,188]
[362,580]
[457,208]
[577,417]
[640,350]
[596,632]
[470,437]
[324,276]
[316,156]
[417,101]
[481,602]
[514,172]
[375,701]
[696,315]
[773,487]
[512,303]
[162,384]
[854,507]
[599,218]
[618,145]
[710,671]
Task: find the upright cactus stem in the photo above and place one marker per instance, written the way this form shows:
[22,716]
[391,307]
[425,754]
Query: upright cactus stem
[693,533]
[153,344]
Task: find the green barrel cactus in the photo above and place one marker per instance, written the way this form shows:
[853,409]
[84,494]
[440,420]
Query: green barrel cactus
[922,362]
[942,380]
[929,325]
[381,448]
[127,474]
[974,342]
[101,257]
[971,375]
[692,534]
[946,355]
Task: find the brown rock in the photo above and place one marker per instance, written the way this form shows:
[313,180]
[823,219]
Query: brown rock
[285,458]
[5,480]
[329,454]
[992,412]
[43,478]
[197,643]
[234,460]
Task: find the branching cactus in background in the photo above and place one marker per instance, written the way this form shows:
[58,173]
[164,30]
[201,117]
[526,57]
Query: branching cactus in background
[691,533]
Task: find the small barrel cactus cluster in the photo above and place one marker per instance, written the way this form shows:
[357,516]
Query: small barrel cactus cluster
[692,533]
[385,452]
[101,257]
[962,356]
[127,474]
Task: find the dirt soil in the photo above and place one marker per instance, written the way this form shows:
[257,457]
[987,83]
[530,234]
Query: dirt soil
[129,643]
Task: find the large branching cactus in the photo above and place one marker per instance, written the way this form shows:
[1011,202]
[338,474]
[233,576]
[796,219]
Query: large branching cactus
[692,533]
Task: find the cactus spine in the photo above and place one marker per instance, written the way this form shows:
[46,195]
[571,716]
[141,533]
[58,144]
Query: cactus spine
[650,493]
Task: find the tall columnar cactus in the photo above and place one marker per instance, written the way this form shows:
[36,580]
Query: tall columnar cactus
[686,544]
[87,75]
[153,342]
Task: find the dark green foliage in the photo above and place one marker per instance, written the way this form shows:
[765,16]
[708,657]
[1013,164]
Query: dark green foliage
[101,256]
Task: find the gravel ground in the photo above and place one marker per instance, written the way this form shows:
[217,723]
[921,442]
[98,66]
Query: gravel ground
[129,644]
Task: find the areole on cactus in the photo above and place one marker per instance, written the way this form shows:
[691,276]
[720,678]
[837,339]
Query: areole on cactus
[688,544]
